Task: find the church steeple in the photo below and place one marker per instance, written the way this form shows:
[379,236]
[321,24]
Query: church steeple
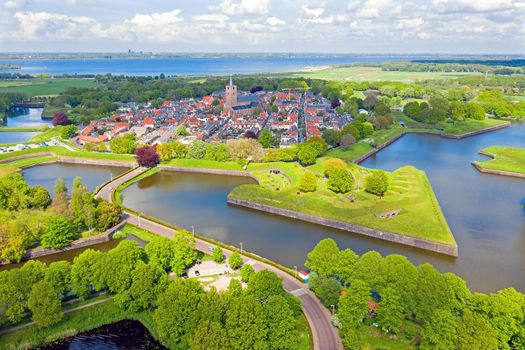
[230,97]
[231,80]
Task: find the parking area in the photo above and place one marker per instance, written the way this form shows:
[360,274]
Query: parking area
[21,147]
[212,274]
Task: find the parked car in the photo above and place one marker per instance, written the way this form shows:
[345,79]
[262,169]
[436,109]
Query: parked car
[197,273]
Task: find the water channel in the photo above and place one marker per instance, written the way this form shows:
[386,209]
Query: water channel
[29,118]
[123,335]
[483,211]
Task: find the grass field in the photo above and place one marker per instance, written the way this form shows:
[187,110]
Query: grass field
[516,98]
[44,86]
[409,191]
[372,74]
[508,159]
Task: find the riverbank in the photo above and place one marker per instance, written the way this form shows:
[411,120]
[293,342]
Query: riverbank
[506,161]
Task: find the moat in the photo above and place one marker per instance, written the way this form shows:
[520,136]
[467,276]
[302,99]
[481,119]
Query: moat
[484,211]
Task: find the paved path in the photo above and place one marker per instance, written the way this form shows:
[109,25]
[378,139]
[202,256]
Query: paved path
[325,336]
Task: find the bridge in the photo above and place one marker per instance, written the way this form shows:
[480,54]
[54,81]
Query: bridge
[28,105]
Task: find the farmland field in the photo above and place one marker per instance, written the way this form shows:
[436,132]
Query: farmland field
[44,86]
[372,74]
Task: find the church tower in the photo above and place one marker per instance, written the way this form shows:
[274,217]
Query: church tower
[230,98]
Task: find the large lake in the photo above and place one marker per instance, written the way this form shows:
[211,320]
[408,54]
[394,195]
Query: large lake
[483,211]
[186,66]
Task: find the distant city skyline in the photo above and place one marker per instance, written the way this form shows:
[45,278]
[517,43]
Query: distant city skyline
[243,26]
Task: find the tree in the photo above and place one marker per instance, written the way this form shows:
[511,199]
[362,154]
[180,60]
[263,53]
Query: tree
[13,303]
[250,134]
[185,253]
[60,118]
[218,255]
[235,260]
[333,163]
[308,182]
[354,305]
[83,271]
[147,156]
[40,197]
[390,312]
[266,138]
[369,269]
[327,289]
[474,332]
[209,335]
[68,132]
[181,131]
[114,270]
[58,275]
[377,182]
[345,266]
[246,325]
[265,284]
[440,332]
[123,145]
[235,288]
[347,140]
[282,333]
[44,304]
[148,282]
[58,233]
[307,153]
[247,273]
[177,312]
[340,181]
[323,259]
[161,251]
[246,148]
[335,103]
[197,150]
[108,215]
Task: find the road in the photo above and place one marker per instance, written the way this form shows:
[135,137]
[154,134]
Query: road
[325,336]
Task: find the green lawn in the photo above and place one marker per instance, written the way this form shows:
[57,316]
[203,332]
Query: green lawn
[373,339]
[456,128]
[22,129]
[44,86]
[516,97]
[372,74]
[409,191]
[138,232]
[505,159]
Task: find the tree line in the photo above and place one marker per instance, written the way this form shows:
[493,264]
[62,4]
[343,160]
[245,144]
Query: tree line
[434,310]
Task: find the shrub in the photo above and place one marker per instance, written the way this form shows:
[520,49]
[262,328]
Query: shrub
[308,182]
[235,261]
[247,272]
[68,131]
[218,255]
[377,182]
[340,181]
[333,163]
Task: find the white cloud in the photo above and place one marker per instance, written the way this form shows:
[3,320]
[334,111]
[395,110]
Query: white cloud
[243,7]
[14,4]
[274,21]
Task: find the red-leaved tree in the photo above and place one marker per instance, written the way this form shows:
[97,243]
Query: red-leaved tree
[147,156]
[60,118]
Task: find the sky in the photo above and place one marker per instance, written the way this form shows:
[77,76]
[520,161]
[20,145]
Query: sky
[336,26]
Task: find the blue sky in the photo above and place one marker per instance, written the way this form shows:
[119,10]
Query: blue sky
[338,26]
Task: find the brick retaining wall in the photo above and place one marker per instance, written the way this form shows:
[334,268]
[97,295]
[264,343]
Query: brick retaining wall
[437,247]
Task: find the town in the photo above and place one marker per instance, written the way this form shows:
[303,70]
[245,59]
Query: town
[292,116]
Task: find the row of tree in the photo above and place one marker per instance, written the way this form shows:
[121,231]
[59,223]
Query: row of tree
[436,310]
[439,110]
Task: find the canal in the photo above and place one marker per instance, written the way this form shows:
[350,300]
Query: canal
[29,118]
[483,211]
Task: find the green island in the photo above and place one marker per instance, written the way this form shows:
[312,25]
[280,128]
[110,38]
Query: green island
[506,161]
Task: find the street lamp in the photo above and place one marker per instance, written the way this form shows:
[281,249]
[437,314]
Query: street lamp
[333,309]
[193,231]
[241,248]
[295,267]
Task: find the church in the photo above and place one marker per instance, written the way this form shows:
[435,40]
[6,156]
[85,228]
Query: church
[239,104]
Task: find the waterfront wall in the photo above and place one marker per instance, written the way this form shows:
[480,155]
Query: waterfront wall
[477,132]
[88,161]
[79,243]
[437,247]
[27,156]
[497,172]
[185,169]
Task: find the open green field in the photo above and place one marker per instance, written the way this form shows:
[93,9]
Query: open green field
[516,97]
[409,191]
[508,159]
[44,86]
[372,74]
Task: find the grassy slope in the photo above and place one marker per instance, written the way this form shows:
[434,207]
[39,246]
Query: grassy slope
[372,74]
[38,86]
[505,159]
[22,129]
[410,191]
